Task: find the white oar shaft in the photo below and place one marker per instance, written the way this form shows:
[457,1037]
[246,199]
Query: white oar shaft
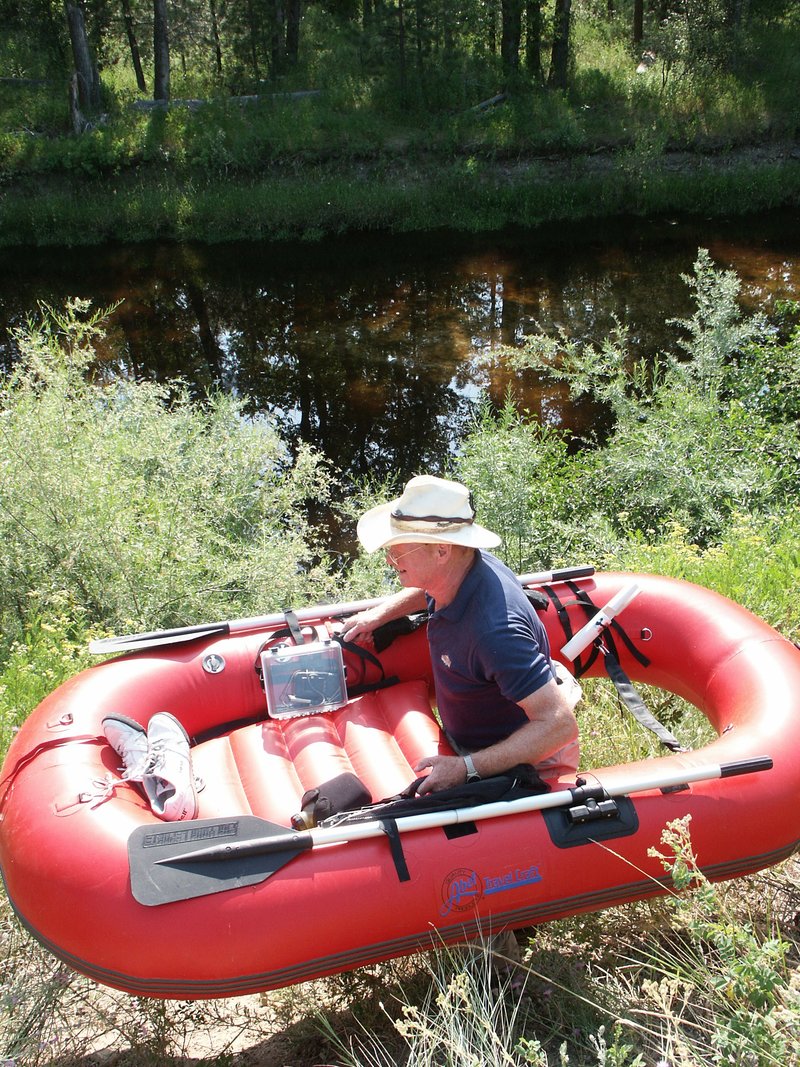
[140,642]
[660,779]
[352,607]
[599,622]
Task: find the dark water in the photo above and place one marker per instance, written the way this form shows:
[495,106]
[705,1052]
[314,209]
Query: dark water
[376,349]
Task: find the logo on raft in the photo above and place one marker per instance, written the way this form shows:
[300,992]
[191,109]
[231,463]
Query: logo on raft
[463,887]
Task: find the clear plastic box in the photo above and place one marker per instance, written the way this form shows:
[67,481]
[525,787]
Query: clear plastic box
[303,679]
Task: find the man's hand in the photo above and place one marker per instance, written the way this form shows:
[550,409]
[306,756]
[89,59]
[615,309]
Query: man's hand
[446,772]
[361,627]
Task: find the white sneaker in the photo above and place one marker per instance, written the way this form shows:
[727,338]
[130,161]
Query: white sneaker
[169,781]
[128,738]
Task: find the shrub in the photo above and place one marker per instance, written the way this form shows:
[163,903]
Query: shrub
[131,505]
[692,442]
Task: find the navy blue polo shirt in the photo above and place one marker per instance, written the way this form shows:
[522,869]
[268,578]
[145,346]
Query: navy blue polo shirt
[489,650]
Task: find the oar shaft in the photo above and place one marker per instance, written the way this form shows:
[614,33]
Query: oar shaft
[599,622]
[336,835]
[155,638]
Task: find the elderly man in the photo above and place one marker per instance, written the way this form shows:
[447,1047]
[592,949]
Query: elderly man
[501,698]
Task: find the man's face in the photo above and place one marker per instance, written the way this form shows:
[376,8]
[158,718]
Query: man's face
[413,562]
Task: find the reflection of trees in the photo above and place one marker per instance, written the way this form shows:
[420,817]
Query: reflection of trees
[355,372]
[373,349]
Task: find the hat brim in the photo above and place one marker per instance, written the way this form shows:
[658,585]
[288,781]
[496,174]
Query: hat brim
[377,529]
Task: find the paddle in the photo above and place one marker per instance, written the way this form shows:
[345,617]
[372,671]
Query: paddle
[179,861]
[156,638]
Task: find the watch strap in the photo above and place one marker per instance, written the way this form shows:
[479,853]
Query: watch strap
[472,774]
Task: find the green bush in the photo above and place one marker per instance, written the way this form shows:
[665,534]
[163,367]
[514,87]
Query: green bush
[132,506]
[693,443]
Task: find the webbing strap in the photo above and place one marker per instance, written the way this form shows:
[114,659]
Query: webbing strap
[294,626]
[389,827]
[626,691]
[358,689]
[566,625]
[636,706]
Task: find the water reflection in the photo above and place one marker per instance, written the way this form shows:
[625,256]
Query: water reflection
[375,349]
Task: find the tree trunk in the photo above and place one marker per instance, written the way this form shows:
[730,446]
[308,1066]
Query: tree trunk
[212,6]
[419,38]
[447,31]
[278,38]
[160,51]
[252,25]
[293,13]
[88,81]
[559,61]
[133,44]
[638,21]
[511,35]
[740,9]
[491,25]
[401,43]
[533,40]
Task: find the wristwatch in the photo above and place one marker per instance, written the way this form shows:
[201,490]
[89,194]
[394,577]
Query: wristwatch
[472,774]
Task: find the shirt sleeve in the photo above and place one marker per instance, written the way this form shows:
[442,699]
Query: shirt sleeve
[513,658]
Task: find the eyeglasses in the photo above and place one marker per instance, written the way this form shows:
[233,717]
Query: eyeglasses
[393,559]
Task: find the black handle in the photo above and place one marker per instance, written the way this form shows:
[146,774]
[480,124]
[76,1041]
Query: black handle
[745,766]
[565,573]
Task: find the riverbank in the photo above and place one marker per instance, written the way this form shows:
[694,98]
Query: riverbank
[394,194]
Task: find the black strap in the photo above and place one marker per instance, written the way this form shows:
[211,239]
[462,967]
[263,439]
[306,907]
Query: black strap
[566,625]
[389,827]
[636,706]
[626,691]
[361,652]
[294,627]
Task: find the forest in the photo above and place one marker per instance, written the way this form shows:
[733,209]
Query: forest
[270,119]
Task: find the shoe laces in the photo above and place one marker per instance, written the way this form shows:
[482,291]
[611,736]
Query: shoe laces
[150,762]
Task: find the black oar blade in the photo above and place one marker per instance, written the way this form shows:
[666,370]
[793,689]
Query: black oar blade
[162,872]
[156,638]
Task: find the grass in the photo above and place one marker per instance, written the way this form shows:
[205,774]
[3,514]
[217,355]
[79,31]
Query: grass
[361,156]
[467,195]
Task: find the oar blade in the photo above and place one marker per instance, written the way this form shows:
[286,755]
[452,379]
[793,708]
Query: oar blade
[161,875]
[157,638]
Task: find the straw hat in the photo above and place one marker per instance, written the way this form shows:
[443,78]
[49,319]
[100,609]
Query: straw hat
[431,511]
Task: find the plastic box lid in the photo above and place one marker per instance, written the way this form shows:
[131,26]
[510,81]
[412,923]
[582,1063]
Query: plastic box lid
[303,679]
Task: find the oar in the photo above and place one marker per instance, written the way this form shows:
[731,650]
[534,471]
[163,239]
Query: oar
[180,861]
[155,638]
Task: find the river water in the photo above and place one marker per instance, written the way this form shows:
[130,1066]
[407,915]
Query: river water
[376,348]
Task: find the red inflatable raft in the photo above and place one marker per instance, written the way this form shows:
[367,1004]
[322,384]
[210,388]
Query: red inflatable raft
[237,901]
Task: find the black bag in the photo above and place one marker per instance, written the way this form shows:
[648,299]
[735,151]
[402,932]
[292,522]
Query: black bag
[520,781]
[345,792]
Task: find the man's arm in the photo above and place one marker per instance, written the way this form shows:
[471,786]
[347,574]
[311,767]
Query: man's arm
[551,726]
[360,627]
